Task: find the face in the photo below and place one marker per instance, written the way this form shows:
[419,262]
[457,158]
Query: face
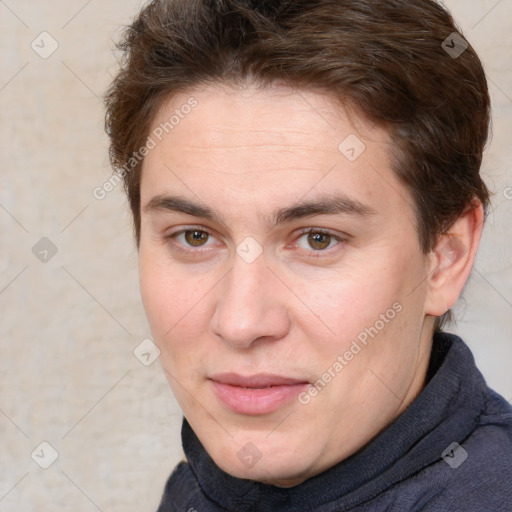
[282,278]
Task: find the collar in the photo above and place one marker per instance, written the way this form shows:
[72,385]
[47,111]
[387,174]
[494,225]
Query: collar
[446,410]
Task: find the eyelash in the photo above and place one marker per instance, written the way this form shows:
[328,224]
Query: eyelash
[313,254]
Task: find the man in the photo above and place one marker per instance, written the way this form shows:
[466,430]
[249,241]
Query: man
[304,182]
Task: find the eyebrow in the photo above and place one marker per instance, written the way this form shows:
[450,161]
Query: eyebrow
[332,204]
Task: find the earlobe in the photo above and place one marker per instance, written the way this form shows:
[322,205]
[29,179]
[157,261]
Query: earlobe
[452,260]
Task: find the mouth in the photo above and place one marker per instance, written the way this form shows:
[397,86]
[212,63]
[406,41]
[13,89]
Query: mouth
[256,394]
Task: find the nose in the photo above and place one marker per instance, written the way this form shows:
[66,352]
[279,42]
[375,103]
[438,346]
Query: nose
[250,305]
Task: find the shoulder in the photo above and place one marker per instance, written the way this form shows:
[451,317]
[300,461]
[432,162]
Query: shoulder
[475,474]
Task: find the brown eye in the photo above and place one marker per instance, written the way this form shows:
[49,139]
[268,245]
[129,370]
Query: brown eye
[319,241]
[196,238]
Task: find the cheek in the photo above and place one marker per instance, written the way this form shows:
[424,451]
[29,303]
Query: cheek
[349,301]
[159,302]
[176,309]
[369,303]
[165,290]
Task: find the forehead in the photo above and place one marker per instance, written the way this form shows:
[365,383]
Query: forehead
[274,144]
[224,115]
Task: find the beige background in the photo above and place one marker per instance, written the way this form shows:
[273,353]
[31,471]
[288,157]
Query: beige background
[69,326]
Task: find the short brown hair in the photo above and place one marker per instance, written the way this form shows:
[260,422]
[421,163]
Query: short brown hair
[386,59]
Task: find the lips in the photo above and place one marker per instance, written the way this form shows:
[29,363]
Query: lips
[261,380]
[255,394]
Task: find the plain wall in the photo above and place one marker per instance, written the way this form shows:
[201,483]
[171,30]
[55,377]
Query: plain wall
[69,325]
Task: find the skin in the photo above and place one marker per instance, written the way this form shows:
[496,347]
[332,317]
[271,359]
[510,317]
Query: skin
[244,153]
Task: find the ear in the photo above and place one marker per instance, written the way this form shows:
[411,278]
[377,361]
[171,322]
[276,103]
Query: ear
[452,260]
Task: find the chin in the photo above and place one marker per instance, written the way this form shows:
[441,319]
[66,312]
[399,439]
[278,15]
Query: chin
[288,469]
[270,475]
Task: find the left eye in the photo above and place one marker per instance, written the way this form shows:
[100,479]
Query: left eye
[317,240]
[192,237]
